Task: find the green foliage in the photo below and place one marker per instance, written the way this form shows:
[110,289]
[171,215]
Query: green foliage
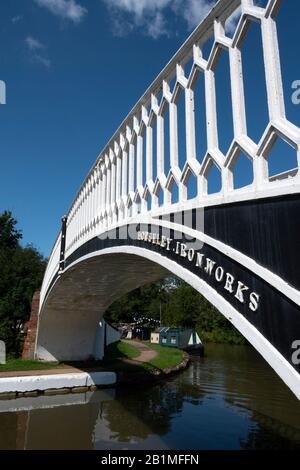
[21,274]
[229,336]
[142,302]
[9,235]
[181,305]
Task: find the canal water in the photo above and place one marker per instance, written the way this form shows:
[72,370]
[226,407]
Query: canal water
[230,399]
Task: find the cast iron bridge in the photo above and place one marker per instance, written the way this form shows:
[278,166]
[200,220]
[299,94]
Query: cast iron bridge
[133,220]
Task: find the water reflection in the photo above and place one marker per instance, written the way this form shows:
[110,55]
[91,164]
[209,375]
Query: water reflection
[228,400]
[141,418]
[59,422]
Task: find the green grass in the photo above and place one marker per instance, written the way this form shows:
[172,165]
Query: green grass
[114,360]
[19,364]
[166,357]
[120,350]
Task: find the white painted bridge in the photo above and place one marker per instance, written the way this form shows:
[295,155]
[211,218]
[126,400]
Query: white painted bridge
[134,221]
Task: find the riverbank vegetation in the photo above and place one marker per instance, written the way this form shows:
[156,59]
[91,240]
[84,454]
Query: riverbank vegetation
[13,364]
[21,274]
[166,357]
[113,354]
[120,350]
[175,303]
[119,356]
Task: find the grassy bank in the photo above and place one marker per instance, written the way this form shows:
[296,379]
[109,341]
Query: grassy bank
[117,352]
[116,355]
[166,357]
[19,364]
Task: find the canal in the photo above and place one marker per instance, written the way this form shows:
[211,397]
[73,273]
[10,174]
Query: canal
[230,399]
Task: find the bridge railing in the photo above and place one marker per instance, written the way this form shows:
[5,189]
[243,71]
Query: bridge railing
[142,163]
[52,268]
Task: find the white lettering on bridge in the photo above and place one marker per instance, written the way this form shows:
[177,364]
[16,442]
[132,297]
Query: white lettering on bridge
[238,289]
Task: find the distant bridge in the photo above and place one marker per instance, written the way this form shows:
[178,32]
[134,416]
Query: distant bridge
[240,248]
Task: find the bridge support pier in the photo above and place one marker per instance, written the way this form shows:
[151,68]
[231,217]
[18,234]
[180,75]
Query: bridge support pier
[31,326]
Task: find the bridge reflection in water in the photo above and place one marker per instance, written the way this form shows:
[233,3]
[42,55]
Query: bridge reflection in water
[230,399]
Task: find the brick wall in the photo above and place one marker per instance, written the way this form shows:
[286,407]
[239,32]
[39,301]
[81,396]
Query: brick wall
[31,327]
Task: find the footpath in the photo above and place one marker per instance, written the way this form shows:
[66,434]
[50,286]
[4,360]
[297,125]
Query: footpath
[146,354]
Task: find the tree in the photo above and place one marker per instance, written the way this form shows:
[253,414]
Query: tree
[143,302]
[21,274]
[9,234]
[181,305]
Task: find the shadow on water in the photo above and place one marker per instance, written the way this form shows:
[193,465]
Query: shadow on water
[230,399]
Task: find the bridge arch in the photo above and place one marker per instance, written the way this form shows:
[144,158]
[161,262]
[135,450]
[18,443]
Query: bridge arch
[108,267]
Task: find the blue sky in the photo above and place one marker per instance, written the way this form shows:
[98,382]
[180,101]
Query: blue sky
[74,69]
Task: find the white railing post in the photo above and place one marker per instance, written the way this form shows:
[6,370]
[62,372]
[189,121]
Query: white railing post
[124,173]
[149,154]
[273,69]
[139,165]
[160,145]
[190,124]
[211,110]
[131,170]
[119,176]
[173,135]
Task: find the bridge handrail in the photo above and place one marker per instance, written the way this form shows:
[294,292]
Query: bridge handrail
[115,189]
[201,33]
[52,268]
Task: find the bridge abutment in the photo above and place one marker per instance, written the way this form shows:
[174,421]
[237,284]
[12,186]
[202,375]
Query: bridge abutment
[69,320]
[30,340]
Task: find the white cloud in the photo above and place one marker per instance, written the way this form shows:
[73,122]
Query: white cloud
[42,60]
[138,7]
[127,15]
[120,26]
[157,26]
[37,51]
[16,19]
[151,15]
[66,9]
[232,21]
[193,11]
[34,44]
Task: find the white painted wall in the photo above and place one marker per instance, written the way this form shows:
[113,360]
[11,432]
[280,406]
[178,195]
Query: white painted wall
[112,335]
[55,381]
